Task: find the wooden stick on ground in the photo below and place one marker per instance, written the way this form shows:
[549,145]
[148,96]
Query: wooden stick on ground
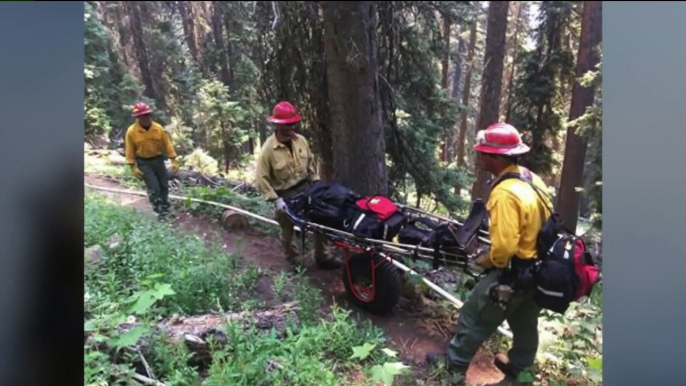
[148,369]
[458,304]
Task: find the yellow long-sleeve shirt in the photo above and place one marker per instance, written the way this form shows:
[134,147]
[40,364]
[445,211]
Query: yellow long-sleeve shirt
[139,142]
[277,169]
[514,211]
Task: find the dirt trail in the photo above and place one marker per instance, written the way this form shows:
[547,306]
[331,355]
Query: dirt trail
[404,331]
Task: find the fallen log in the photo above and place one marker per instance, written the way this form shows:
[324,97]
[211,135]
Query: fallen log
[191,177]
[232,220]
[201,333]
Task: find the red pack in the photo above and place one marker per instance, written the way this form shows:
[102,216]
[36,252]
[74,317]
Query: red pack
[379,205]
[585,269]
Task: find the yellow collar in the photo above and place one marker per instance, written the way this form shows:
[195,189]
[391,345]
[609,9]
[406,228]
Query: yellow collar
[278,144]
[509,169]
[142,129]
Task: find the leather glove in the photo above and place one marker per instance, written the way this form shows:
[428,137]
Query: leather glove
[501,294]
[137,172]
[280,205]
[175,165]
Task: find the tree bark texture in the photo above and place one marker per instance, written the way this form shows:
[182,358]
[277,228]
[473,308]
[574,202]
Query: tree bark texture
[354,101]
[491,82]
[187,18]
[466,92]
[133,9]
[511,72]
[445,64]
[582,97]
[218,32]
[319,99]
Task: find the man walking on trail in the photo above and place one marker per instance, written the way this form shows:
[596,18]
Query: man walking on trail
[286,168]
[516,215]
[145,142]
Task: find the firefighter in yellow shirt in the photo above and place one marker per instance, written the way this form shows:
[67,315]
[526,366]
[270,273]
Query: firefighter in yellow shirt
[516,215]
[146,142]
[285,168]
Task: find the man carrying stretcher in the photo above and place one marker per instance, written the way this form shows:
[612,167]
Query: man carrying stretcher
[286,168]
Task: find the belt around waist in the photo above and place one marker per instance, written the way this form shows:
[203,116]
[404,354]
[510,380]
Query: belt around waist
[518,262]
[150,158]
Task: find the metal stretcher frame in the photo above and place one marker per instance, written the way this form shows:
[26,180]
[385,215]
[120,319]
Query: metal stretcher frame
[376,260]
[345,239]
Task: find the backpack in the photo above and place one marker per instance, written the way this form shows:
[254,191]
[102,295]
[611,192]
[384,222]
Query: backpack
[327,204]
[335,206]
[417,231]
[443,236]
[565,271]
[376,217]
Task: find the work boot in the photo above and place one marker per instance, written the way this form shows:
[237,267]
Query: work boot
[326,259]
[457,374]
[503,364]
[293,259]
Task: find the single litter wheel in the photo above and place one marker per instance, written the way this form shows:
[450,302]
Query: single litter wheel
[372,283]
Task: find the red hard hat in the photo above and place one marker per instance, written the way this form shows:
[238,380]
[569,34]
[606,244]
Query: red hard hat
[500,138]
[284,113]
[140,109]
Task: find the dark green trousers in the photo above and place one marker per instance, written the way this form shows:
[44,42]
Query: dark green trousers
[287,231]
[156,181]
[481,316]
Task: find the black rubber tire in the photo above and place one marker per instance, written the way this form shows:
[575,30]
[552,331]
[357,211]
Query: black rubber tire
[388,283]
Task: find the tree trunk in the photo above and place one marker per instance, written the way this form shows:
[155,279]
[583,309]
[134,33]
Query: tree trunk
[228,26]
[134,12]
[491,83]
[354,101]
[187,17]
[457,72]
[119,10]
[227,148]
[455,96]
[319,100]
[445,63]
[218,32]
[582,97]
[227,156]
[466,92]
[510,81]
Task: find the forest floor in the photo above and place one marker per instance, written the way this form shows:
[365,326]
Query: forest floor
[570,347]
[409,329]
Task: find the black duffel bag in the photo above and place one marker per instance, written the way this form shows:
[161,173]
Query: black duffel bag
[328,204]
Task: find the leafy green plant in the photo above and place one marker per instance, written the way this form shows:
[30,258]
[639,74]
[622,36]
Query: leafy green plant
[204,276]
[199,160]
[254,204]
[381,372]
[304,355]
[103,328]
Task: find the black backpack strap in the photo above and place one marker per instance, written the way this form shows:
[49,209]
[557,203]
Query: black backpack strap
[536,189]
[438,240]
[529,181]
